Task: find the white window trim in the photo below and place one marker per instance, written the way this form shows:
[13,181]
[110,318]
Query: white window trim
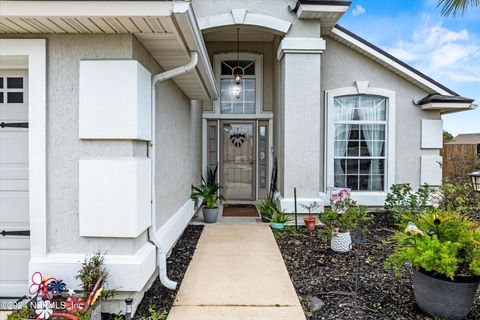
[370,198]
[259,114]
[35,50]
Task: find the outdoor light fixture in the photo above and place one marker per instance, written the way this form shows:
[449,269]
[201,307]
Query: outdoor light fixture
[128,309]
[475,180]
[238,71]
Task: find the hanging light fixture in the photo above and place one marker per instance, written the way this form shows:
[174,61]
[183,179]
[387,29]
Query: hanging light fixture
[238,71]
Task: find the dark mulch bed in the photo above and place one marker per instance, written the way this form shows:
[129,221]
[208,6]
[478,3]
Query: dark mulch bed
[318,272]
[159,297]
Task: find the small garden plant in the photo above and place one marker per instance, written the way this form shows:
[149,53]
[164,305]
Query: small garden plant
[267,207]
[280,217]
[92,270]
[311,207]
[343,216]
[206,194]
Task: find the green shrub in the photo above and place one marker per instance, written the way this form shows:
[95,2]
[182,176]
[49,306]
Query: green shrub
[93,269]
[24,313]
[443,242]
[403,199]
[460,196]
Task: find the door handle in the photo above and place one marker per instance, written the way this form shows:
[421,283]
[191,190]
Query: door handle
[14,125]
[15,233]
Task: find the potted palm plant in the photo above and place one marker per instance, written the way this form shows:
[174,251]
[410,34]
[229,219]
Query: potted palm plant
[443,247]
[206,195]
[310,221]
[278,220]
[340,220]
[267,208]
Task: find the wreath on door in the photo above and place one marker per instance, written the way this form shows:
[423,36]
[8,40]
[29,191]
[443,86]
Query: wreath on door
[237,139]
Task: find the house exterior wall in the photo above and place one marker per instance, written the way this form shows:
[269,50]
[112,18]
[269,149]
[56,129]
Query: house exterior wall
[177,166]
[275,8]
[64,148]
[179,128]
[342,66]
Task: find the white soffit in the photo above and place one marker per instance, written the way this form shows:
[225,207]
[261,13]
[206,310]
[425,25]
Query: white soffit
[84,16]
[448,107]
[408,73]
[327,14]
[156,24]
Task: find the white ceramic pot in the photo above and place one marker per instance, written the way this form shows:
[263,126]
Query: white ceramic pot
[341,241]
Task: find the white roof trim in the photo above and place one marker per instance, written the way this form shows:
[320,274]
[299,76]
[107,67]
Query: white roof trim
[395,66]
[188,23]
[278,26]
[320,8]
[84,8]
[447,107]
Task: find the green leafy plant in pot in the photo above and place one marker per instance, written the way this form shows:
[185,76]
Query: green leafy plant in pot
[340,220]
[443,247]
[267,208]
[278,220]
[206,195]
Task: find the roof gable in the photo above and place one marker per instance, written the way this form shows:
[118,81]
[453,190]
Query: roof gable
[397,66]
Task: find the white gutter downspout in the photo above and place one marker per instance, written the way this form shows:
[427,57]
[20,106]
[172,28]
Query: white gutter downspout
[162,250]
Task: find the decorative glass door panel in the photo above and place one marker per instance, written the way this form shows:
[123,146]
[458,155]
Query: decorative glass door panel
[238,160]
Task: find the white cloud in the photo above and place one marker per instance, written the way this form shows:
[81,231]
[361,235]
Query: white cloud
[445,54]
[358,10]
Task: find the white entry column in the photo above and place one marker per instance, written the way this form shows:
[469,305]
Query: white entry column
[300,118]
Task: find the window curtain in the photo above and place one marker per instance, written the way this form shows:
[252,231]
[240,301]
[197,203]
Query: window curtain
[373,109]
[344,111]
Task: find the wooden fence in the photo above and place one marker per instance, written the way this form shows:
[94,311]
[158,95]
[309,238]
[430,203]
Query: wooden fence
[459,160]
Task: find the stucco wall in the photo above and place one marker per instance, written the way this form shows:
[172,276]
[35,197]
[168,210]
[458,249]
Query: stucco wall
[264,48]
[341,66]
[177,165]
[274,8]
[64,148]
[178,132]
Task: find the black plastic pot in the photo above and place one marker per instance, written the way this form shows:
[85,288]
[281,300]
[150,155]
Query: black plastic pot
[442,297]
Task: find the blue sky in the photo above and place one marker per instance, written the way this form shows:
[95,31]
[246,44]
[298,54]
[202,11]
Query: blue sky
[446,49]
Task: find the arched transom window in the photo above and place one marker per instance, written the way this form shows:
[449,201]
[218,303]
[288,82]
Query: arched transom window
[239,98]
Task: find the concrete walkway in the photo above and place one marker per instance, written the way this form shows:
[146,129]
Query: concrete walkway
[237,273]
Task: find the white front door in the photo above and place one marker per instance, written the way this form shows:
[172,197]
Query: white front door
[14,210]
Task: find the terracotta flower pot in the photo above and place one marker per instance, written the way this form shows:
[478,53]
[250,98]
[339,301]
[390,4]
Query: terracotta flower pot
[310,223]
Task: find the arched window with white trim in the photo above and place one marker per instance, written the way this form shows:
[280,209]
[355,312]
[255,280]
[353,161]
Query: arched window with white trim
[245,98]
[361,142]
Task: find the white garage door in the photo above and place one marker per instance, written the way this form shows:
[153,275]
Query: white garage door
[14,216]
